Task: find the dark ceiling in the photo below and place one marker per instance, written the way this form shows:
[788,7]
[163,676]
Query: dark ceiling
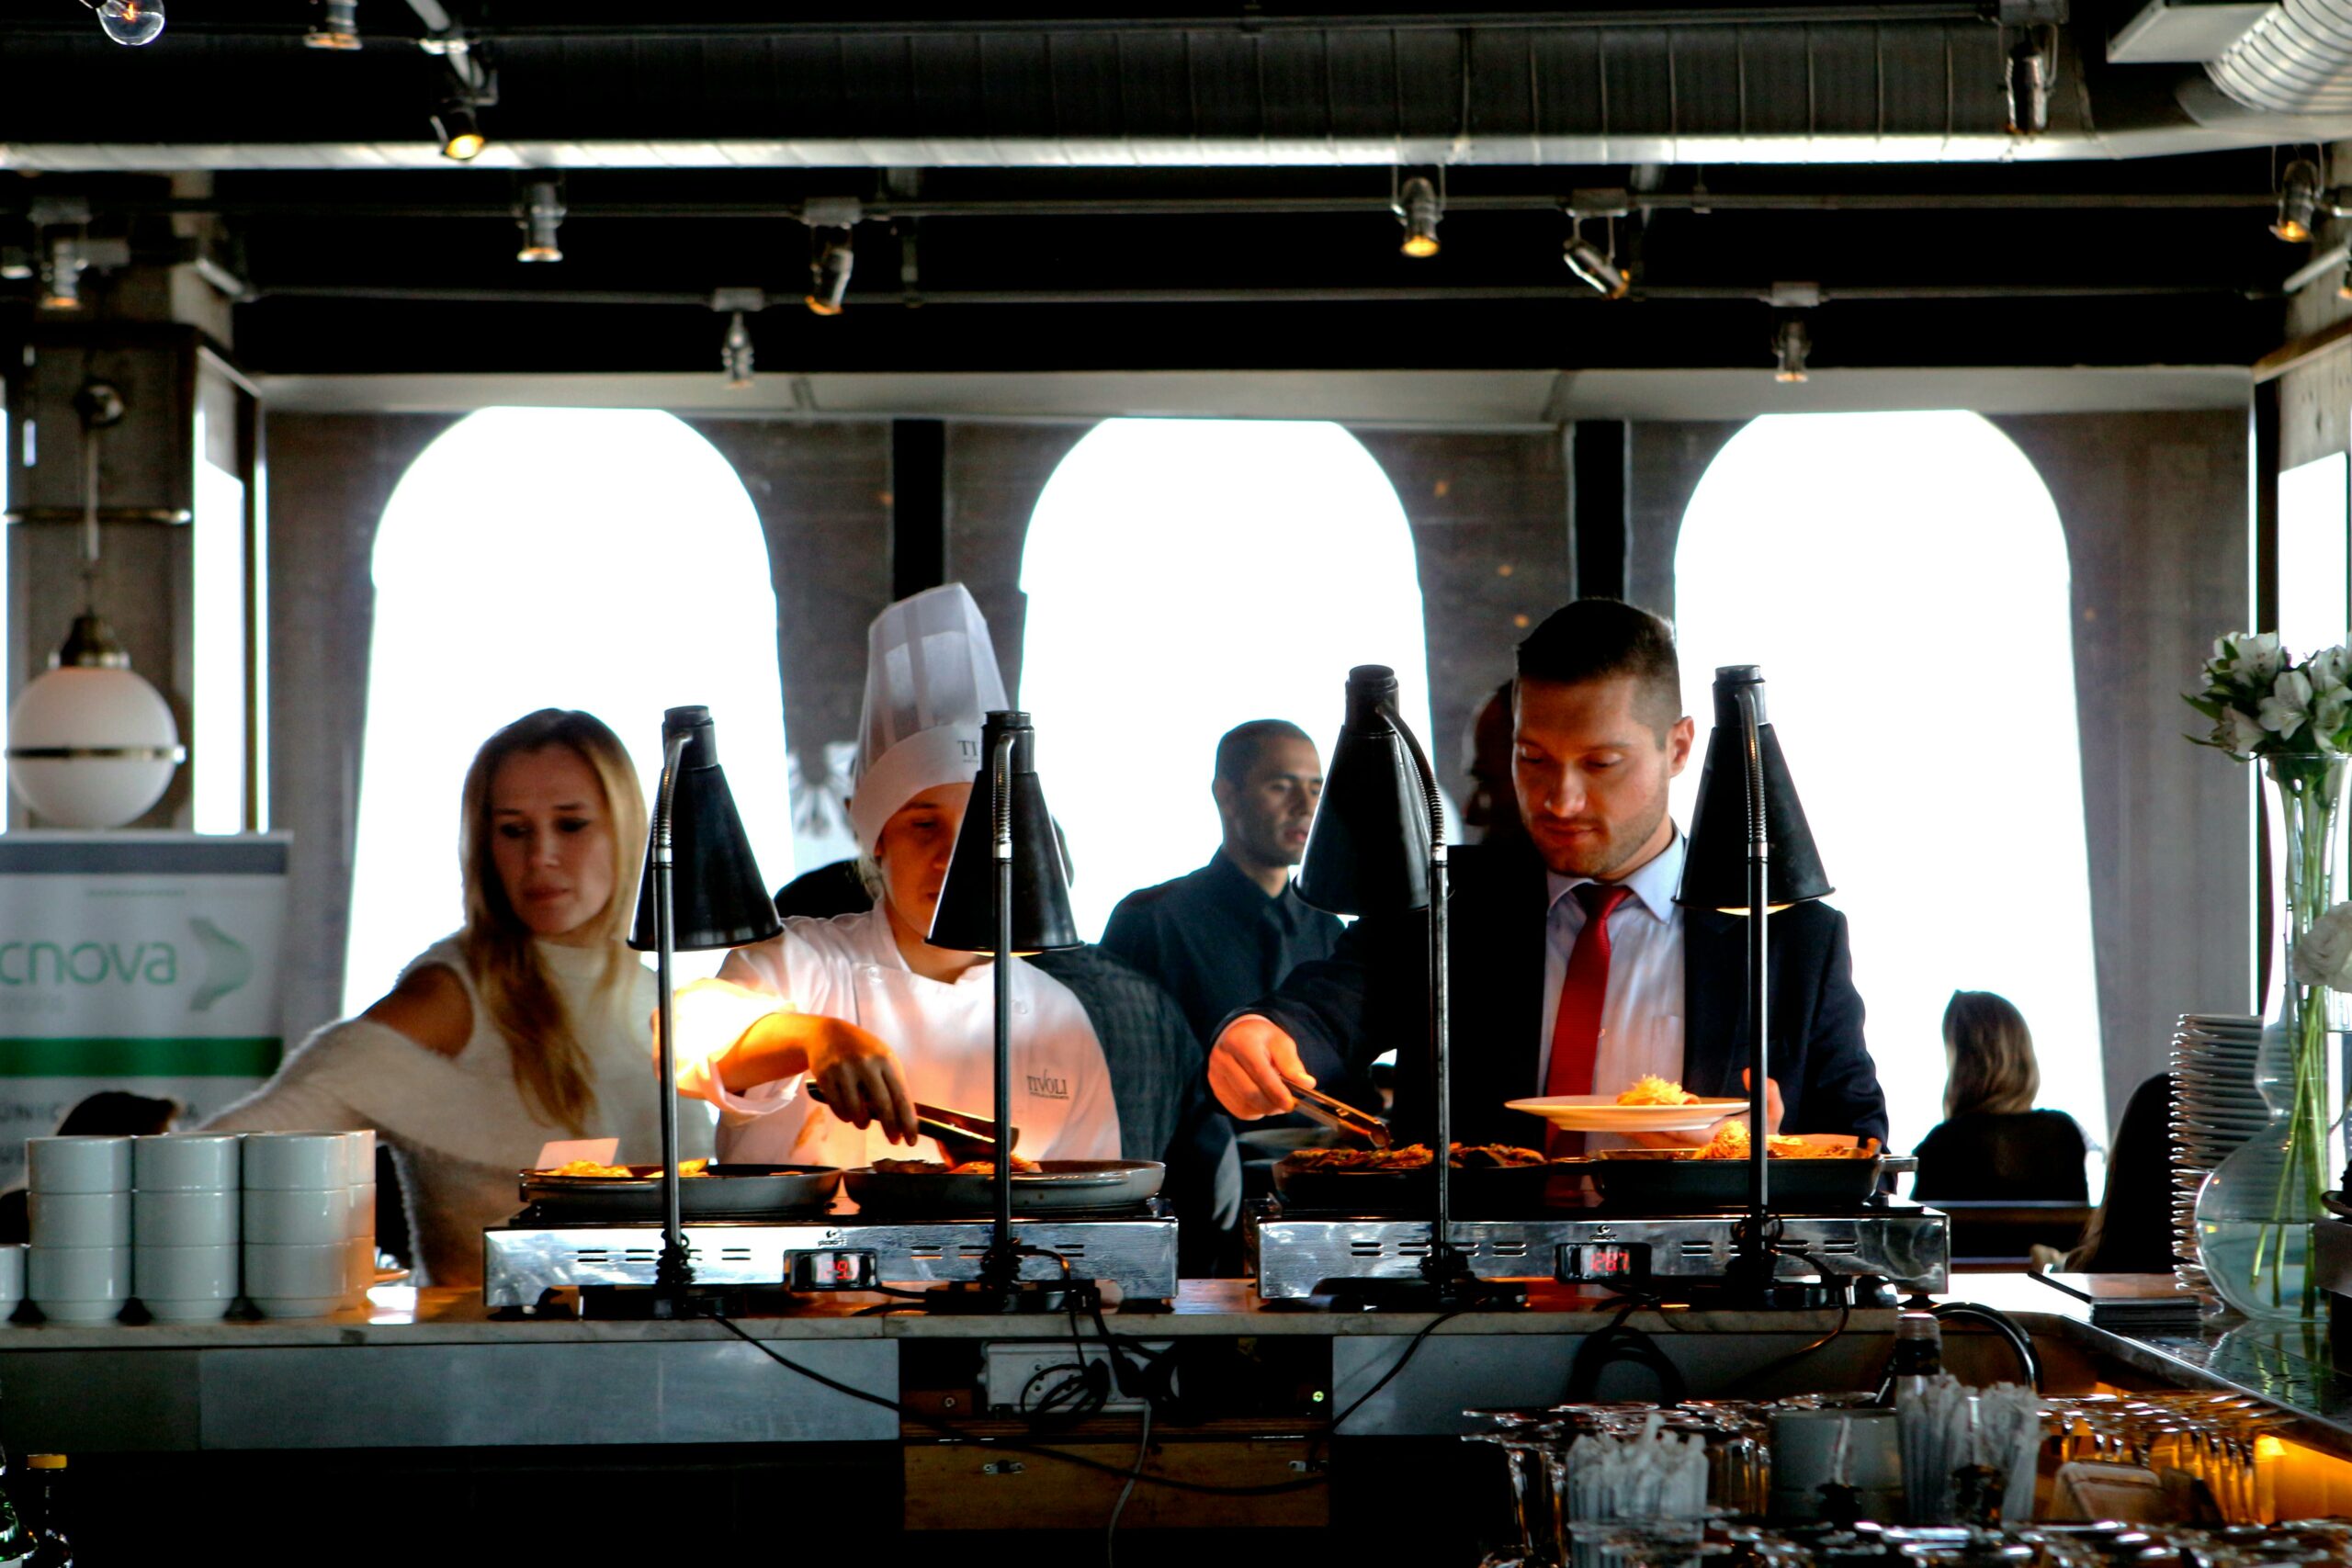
[1118,263]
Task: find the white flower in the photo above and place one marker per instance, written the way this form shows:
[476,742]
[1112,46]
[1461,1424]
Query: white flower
[2329,710]
[2323,955]
[2287,706]
[2260,657]
[2238,731]
[2330,668]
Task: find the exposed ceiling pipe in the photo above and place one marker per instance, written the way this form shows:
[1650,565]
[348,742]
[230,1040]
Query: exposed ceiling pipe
[2296,59]
[1027,211]
[1732,293]
[1823,85]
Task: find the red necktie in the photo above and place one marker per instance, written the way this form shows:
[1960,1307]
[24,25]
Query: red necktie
[1576,1027]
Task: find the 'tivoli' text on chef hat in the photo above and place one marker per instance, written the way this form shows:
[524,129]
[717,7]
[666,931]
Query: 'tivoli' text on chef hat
[931,672]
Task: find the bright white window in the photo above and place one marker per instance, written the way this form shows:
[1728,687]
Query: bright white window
[218,757]
[1184,576]
[1902,579]
[601,560]
[2313,573]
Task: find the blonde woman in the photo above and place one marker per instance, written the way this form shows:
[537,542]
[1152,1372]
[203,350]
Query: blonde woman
[1993,1145]
[527,1024]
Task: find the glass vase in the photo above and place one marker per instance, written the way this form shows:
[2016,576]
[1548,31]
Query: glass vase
[2256,1211]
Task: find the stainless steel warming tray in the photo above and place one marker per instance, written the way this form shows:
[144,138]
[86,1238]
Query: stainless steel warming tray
[524,1260]
[1299,1255]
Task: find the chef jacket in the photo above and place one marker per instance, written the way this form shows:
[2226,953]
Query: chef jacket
[945,1033]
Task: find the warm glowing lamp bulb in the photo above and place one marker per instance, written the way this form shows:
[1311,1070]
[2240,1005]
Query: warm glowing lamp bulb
[131,21]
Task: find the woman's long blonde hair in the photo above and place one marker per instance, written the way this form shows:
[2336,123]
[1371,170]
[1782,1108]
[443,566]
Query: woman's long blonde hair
[551,1064]
[1989,1053]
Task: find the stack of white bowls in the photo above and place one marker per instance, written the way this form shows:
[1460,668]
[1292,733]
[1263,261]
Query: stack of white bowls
[184,1224]
[310,1221]
[78,1201]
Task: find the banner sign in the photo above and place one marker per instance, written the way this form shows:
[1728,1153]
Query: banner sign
[135,960]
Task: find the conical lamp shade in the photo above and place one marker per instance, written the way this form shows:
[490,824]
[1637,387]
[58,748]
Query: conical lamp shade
[966,918]
[1715,870]
[718,898]
[1369,850]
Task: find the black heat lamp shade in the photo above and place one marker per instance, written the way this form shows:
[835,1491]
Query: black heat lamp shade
[718,898]
[966,918]
[1715,870]
[1369,850]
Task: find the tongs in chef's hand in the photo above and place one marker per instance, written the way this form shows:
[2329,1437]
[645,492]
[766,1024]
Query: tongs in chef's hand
[1316,1106]
[962,1137]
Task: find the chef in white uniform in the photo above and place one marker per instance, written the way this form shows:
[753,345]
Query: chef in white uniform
[863,1004]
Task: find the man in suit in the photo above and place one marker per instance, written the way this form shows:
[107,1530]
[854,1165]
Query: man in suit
[1574,971]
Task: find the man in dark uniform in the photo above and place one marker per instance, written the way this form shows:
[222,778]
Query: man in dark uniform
[1223,936]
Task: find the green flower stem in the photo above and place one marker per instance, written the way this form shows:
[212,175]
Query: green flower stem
[2309,791]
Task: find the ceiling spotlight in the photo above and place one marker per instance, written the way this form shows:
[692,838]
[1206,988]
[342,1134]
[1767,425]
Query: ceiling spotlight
[2026,84]
[1419,207]
[459,130]
[829,270]
[337,26]
[735,354]
[61,272]
[2298,200]
[540,210]
[133,22]
[1790,346]
[1593,265]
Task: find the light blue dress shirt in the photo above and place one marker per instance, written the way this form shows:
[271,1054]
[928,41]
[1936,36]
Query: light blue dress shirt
[1640,1017]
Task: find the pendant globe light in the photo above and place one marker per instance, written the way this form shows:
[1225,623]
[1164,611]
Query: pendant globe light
[91,744]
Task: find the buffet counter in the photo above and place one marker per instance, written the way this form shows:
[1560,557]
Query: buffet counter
[432,1370]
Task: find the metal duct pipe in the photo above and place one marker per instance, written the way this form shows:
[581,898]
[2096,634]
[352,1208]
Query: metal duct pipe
[2296,59]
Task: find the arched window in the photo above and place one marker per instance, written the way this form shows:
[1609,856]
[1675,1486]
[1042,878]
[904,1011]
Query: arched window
[1184,576]
[1902,579]
[601,560]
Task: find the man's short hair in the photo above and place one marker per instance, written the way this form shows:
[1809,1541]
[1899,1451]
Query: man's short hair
[1599,639]
[1237,751]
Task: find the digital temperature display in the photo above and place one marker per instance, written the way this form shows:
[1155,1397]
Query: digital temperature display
[1604,1262]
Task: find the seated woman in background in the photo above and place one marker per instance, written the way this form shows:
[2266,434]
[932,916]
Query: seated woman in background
[1992,1145]
[526,1025]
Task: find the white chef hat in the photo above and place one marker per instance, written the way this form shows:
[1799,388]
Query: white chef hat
[931,672]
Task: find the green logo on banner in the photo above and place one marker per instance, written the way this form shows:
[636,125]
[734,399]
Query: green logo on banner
[227,964]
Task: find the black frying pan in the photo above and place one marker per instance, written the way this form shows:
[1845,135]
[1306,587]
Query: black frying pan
[729,1191]
[1479,1191]
[1056,1185]
[1663,1181]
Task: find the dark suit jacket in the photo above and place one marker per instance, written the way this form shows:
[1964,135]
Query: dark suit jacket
[1372,996]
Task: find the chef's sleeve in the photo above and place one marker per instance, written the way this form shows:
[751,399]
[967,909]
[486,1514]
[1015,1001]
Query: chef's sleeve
[711,1017]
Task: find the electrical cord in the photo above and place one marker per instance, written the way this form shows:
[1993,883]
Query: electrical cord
[1111,1531]
[1014,1444]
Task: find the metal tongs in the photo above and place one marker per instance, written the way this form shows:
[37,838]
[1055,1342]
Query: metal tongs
[963,1137]
[1339,1115]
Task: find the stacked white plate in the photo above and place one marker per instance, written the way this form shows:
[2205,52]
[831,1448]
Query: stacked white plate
[2214,1110]
[78,1200]
[310,1221]
[185,1224]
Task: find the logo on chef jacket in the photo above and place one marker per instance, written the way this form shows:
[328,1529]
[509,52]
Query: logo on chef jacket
[1046,1086]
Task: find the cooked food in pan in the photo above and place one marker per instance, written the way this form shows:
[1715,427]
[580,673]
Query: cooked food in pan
[969,1167]
[1414,1156]
[1730,1142]
[1649,1090]
[618,1172]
